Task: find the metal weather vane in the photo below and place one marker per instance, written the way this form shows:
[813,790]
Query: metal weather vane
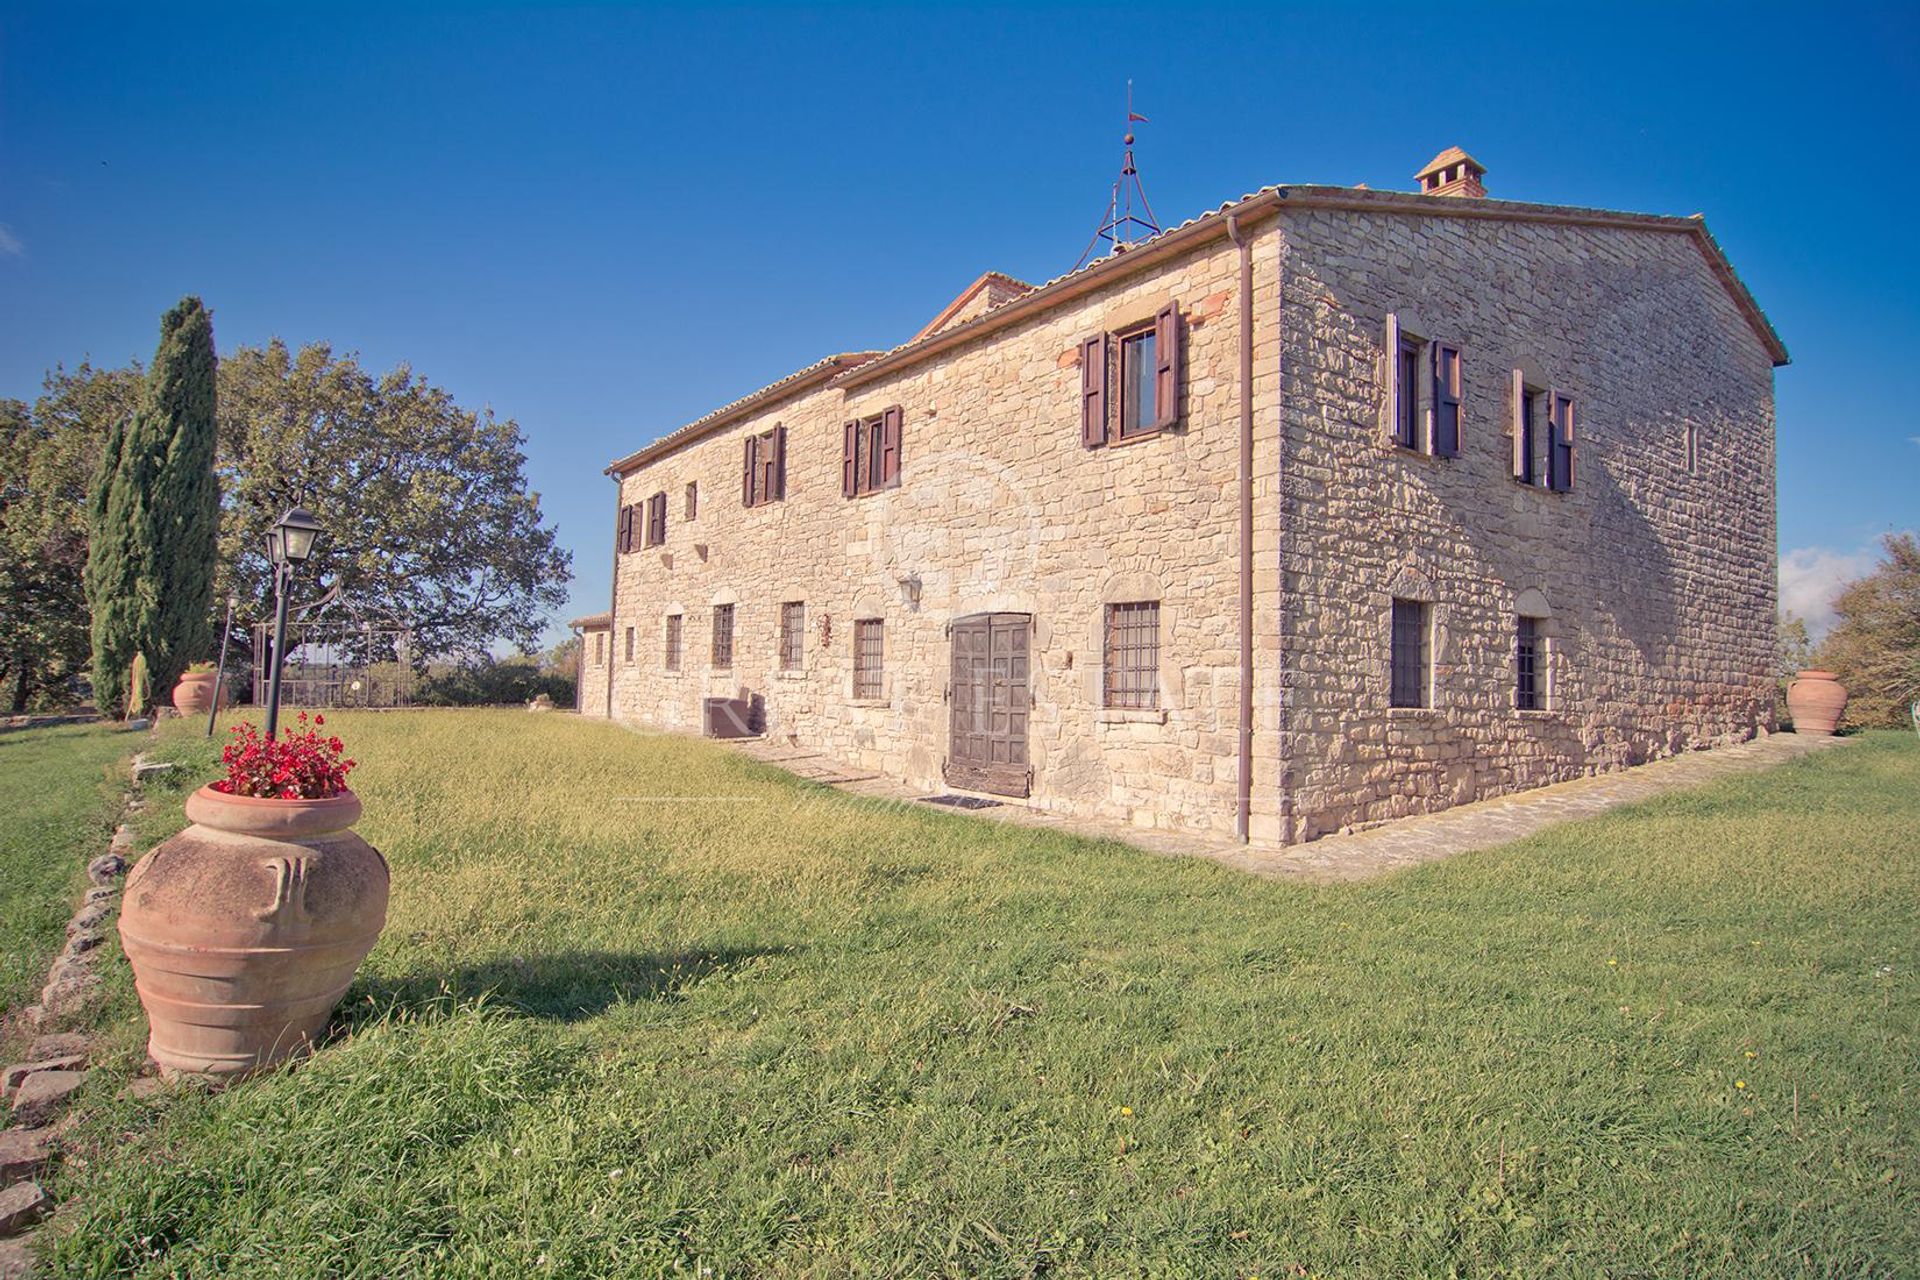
[1121,227]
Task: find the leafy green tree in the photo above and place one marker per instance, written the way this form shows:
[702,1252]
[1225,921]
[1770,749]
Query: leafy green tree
[1874,646]
[152,517]
[427,514]
[48,456]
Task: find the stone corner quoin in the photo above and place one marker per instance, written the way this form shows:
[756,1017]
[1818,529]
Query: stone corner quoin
[1398,370]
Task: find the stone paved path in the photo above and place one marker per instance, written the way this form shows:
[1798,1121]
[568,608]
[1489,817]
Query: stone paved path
[1377,850]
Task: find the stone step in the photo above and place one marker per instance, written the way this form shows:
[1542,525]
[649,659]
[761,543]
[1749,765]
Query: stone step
[23,1153]
[22,1205]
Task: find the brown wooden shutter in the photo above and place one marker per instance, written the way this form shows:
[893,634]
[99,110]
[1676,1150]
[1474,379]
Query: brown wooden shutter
[1559,441]
[849,457]
[1166,372]
[623,538]
[1446,401]
[779,462]
[657,518]
[1392,383]
[1093,391]
[746,481]
[1519,425]
[891,424]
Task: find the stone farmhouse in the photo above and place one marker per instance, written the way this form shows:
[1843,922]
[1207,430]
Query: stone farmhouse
[1327,507]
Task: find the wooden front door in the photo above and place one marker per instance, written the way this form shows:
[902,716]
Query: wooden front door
[987,748]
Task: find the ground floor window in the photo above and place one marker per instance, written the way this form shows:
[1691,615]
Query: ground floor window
[629,644]
[599,647]
[1410,658]
[793,635]
[1132,659]
[1529,667]
[722,636]
[673,642]
[869,648]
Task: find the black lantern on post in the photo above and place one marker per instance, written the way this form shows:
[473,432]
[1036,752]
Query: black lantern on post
[289,543]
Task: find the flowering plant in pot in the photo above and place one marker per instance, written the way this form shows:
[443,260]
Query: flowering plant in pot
[245,930]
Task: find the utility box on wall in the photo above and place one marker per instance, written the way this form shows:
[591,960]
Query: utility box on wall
[732,717]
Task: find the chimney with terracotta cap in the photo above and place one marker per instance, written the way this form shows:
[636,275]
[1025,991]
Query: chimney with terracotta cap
[1453,173]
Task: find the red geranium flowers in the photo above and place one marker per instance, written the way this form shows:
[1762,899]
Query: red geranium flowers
[298,765]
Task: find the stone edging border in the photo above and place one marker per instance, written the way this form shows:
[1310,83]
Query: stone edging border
[39,1088]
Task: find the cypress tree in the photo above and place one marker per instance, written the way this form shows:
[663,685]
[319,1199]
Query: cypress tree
[184,508]
[153,518]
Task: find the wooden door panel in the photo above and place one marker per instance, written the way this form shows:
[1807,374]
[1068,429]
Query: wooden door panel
[989,702]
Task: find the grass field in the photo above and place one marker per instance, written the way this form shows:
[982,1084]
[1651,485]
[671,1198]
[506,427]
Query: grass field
[644,1007]
[59,791]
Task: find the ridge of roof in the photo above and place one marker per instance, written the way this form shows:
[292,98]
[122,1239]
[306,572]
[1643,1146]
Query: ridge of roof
[588,622]
[851,369]
[1320,196]
[819,370]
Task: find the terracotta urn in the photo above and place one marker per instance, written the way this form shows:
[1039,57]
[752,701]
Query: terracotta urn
[245,929]
[1815,700]
[194,694]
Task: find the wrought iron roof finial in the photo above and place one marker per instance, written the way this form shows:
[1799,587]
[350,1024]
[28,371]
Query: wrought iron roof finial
[1121,227]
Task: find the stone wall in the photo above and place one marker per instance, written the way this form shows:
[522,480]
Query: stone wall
[593,671]
[998,508]
[1660,581]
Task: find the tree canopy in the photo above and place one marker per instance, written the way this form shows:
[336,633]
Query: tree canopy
[1874,646]
[428,517]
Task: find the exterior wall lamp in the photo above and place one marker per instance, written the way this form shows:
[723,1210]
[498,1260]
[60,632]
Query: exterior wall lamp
[289,544]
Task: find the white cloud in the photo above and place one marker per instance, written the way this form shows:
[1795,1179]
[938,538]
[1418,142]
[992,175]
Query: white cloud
[1810,577]
[10,243]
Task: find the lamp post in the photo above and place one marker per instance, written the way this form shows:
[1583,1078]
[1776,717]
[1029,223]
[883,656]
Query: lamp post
[289,543]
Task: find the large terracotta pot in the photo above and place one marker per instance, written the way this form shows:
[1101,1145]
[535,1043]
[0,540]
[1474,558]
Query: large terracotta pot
[1815,700]
[245,929]
[193,696]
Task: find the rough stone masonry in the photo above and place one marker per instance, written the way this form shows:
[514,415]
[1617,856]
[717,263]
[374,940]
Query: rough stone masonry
[1402,367]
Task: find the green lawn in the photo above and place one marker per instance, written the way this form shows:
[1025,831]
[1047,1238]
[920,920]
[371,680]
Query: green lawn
[59,791]
[644,1007]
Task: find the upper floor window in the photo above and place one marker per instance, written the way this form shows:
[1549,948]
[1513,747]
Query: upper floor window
[1140,367]
[1690,446]
[870,452]
[793,635]
[1410,659]
[1426,389]
[657,519]
[1543,432]
[722,636]
[629,644]
[1448,390]
[693,499]
[626,534]
[1131,677]
[764,478]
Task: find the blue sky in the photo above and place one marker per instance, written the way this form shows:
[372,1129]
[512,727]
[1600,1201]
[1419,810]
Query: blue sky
[604,221]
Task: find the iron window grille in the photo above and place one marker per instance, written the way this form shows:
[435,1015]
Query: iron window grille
[629,644]
[1409,659]
[1529,686]
[1131,680]
[722,636]
[673,642]
[793,635]
[869,651]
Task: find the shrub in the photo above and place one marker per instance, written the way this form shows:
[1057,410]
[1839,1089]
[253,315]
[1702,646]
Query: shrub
[488,683]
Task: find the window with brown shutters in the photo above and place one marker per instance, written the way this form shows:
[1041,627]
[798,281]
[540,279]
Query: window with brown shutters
[722,636]
[1560,426]
[764,470]
[870,452]
[1447,390]
[1131,679]
[623,535]
[869,653]
[657,519]
[672,655]
[793,635]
